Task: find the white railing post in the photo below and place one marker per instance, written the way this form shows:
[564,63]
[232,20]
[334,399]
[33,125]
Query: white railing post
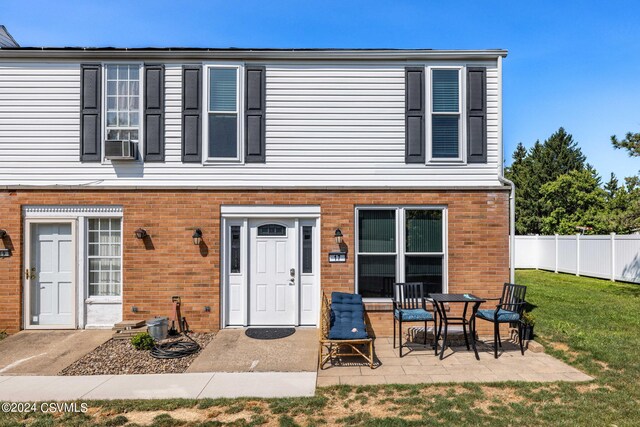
[537,252]
[556,269]
[577,254]
[613,257]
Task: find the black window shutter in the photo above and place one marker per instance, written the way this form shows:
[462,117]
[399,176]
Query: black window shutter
[153,113]
[191,114]
[90,112]
[414,115]
[254,119]
[476,115]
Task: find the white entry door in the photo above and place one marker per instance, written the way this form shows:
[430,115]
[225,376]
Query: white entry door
[272,275]
[51,275]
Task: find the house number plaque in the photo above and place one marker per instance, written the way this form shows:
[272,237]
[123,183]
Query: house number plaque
[337,257]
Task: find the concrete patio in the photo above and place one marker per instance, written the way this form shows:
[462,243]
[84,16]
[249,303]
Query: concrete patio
[232,351]
[47,352]
[458,365]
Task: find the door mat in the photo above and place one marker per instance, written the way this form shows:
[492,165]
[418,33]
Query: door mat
[269,333]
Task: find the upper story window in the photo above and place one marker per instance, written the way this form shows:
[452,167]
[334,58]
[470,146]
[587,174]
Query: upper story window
[123,102]
[446,117]
[223,120]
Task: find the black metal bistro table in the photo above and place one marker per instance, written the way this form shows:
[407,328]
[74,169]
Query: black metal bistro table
[440,300]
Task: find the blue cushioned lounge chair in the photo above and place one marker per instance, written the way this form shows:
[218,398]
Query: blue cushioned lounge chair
[342,324]
[509,310]
[409,305]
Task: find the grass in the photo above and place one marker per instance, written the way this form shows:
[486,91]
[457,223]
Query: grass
[592,324]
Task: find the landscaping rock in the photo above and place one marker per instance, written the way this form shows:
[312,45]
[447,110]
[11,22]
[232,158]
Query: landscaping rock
[119,357]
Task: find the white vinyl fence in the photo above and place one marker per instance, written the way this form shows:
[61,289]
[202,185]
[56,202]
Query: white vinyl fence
[607,257]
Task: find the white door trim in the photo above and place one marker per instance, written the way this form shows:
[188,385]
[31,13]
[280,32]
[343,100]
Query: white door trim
[68,213]
[240,215]
[26,287]
[270,211]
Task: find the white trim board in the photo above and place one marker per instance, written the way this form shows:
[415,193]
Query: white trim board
[240,215]
[258,211]
[62,211]
[76,214]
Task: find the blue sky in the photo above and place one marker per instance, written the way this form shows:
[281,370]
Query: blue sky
[571,63]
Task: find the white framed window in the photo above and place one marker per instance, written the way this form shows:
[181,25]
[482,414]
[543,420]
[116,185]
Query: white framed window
[400,244]
[445,122]
[123,102]
[222,134]
[104,257]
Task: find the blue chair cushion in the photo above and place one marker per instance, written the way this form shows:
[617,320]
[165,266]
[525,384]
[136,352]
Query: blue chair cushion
[412,315]
[503,315]
[347,317]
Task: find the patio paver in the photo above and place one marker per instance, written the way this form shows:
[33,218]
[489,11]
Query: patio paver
[459,365]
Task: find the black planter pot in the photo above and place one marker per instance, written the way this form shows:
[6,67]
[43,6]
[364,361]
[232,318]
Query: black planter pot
[527,332]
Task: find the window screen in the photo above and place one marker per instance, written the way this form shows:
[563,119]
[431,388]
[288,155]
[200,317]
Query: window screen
[223,113]
[105,256]
[123,102]
[445,117]
[381,262]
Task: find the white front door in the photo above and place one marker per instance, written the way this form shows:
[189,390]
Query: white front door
[272,276]
[51,275]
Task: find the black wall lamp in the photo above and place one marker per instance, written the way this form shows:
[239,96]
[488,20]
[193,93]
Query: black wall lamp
[338,236]
[3,233]
[141,233]
[197,237]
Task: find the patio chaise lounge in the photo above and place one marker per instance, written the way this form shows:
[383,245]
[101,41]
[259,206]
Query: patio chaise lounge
[342,324]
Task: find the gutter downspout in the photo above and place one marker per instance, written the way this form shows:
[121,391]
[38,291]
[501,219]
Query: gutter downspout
[512,227]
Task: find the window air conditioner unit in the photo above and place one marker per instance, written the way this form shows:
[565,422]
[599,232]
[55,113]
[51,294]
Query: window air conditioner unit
[120,150]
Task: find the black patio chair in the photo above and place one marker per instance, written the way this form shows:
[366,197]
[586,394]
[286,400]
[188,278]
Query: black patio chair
[509,310]
[409,305]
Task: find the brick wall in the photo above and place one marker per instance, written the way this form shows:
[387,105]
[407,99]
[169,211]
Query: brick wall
[169,264]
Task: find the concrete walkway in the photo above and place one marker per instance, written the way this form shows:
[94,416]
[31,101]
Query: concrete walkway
[161,386]
[47,352]
[232,351]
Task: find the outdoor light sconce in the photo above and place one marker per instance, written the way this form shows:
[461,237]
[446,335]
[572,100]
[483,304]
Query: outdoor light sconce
[6,252]
[134,309]
[338,236]
[197,237]
[141,233]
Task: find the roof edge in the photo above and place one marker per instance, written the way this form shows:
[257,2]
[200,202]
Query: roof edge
[234,53]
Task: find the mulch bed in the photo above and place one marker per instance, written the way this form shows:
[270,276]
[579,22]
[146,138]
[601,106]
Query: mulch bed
[119,357]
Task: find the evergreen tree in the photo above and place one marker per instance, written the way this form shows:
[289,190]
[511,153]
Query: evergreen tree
[631,143]
[573,200]
[622,211]
[611,187]
[544,163]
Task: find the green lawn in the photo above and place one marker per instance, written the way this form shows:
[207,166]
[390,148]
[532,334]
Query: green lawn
[592,324]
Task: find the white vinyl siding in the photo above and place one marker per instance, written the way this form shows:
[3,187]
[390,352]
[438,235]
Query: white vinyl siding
[327,125]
